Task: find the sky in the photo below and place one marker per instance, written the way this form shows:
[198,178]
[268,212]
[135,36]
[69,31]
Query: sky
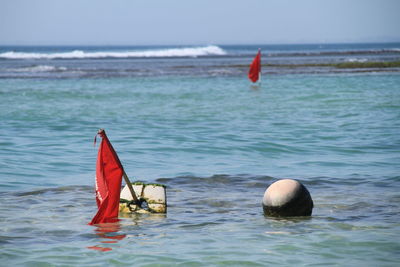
[197,22]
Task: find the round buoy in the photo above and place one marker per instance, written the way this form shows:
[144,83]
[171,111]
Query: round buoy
[287,197]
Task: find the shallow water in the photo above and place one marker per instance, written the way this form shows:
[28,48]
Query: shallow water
[217,143]
[213,220]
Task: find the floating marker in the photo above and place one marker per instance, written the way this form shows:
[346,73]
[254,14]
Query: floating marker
[287,197]
[152,197]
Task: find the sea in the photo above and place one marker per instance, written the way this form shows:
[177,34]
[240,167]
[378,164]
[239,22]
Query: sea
[189,118]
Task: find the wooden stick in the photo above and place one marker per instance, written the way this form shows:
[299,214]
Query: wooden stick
[128,183]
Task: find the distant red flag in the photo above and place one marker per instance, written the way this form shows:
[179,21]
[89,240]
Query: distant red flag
[109,173]
[255,67]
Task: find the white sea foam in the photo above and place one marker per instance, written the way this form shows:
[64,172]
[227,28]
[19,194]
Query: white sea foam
[172,52]
[39,68]
[357,60]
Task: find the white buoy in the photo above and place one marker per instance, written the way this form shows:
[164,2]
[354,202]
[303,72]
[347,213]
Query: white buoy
[287,197]
[153,194]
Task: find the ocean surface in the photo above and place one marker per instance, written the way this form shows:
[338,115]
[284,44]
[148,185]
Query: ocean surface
[188,117]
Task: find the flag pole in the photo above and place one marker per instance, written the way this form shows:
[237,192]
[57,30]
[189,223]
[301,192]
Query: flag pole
[259,50]
[128,183]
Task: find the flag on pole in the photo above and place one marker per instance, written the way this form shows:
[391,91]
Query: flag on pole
[255,68]
[109,173]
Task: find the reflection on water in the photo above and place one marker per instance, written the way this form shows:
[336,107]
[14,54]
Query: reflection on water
[107,231]
[112,233]
[255,87]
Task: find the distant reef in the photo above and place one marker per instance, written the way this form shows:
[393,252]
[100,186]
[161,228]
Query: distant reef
[342,65]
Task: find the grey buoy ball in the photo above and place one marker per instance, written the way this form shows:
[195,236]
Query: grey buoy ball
[287,197]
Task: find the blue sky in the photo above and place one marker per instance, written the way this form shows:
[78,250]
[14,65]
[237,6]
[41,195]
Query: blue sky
[197,22]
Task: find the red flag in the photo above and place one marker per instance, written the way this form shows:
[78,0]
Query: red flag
[109,173]
[255,67]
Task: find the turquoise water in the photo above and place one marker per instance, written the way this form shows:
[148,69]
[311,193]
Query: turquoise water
[217,143]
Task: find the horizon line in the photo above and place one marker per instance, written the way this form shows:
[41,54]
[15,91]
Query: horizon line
[204,44]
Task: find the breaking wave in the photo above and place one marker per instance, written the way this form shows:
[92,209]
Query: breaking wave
[79,54]
[361,60]
[39,68]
